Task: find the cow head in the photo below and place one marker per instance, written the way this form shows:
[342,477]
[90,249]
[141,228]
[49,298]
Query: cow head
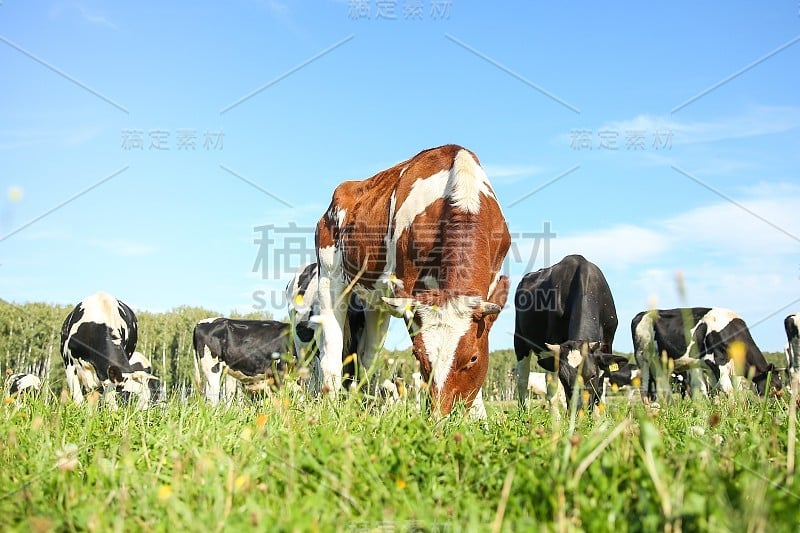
[450,337]
[140,383]
[574,358]
[768,381]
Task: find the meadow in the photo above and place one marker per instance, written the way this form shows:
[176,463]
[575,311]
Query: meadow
[358,463]
[285,463]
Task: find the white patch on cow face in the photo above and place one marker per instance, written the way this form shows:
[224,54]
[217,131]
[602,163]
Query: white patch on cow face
[467,183]
[209,320]
[442,328]
[575,358]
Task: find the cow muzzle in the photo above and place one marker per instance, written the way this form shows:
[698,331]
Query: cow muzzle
[116,375]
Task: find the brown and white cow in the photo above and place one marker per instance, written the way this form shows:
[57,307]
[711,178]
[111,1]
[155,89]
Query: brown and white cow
[425,240]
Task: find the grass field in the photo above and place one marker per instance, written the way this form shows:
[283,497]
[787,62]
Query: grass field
[282,464]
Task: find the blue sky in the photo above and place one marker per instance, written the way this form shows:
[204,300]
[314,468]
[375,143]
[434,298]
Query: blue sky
[654,139]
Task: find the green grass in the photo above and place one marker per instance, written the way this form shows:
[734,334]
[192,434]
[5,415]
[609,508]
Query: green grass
[284,464]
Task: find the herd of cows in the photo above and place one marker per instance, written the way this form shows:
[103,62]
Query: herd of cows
[424,241]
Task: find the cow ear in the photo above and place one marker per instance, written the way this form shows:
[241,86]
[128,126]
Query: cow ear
[613,363]
[401,307]
[500,293]
[555,348]
[548,363]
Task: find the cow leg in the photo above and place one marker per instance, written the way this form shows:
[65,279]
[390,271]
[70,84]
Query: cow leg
[697,383]
[644,375]
[212,370]
[376,324]
[644,352]
[332,313]
[523,374]
[663,379]
[725,382]
[230,389]
[74,384]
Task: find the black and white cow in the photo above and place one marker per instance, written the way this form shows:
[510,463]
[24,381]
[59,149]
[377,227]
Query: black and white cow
[792,326]
[567,309]
[97,340]
[19,384]
[255,353]
[702,340]
[143,387]
[302,295]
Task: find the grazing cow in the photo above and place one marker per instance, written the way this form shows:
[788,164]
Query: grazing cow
[537,385]
[615,380]
[252,351]
[568,302]
[303,298]
[622,378]
[97,340]
[19,384]
[699,338]
[425,240]
[143,385]
[792,326]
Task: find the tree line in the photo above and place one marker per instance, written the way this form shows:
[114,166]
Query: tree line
[30,343]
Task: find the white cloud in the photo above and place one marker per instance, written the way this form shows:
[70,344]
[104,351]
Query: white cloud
[615,247]
[730,229]
[16,139]
[722,230]
[506,174]
[728,258]
[96,19]
[759,120]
